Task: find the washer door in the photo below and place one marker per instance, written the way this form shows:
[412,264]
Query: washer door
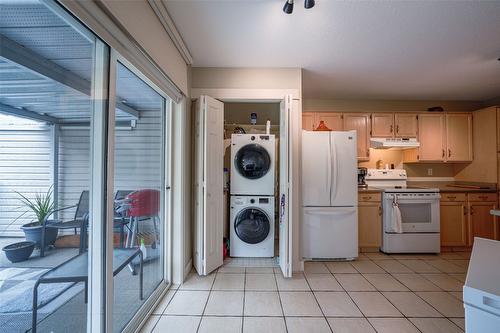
[252,225]
[252,161]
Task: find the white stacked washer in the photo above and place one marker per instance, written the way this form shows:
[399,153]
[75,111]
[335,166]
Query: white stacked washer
[253,159]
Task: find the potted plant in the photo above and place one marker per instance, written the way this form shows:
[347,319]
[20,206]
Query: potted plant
[41,207]
[19,251]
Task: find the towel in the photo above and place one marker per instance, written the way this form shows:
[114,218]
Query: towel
[396,221]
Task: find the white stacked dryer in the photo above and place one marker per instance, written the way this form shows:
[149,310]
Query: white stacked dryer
[253,159]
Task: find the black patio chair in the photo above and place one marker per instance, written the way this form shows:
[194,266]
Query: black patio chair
[78,222]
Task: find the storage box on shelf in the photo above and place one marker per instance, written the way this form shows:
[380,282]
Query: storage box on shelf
[465,216]
[369,221]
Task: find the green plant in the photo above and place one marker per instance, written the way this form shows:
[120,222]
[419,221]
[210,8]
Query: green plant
[41,206]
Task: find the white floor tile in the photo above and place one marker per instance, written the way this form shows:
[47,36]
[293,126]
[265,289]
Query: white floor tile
[301,325]
[444,281]
[350,325]
[393,325]
[197,282]
[367,266]
[299,303]
[341,267]
[233,281]
[260,282]
[264,325]
[374,304]
[435,325]
[337,304]
[187,302]
[160,308]
[411,305]
[416,282]
[183,324]
[445,266]
[460,322]
[296,283]
[315,267]
[378,256]
[393,266]
[385,282]
[231,269]
[259,270]
[225,303]
[419,266]
[262,304]
[150,324]
[458,295]
[445,303]
[354,282]
[220,325]
[323,282]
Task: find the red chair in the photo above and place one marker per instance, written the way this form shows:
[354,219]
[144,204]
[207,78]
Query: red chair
[141,206]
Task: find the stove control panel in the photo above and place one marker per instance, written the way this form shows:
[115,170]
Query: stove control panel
[386,174]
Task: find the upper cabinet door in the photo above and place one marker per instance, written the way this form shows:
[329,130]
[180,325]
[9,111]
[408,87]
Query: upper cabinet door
[332,120]
[431,135]
[459,137]
[308,121]
[361,124]
[383,125]
[406,125]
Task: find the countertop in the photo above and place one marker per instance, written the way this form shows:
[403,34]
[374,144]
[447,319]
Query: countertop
[443,186]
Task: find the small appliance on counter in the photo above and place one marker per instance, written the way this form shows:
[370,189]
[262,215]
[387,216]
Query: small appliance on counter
[361,177]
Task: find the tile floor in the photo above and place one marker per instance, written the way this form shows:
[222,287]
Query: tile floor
[376,293]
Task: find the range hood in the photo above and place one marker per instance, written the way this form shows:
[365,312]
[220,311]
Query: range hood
[394,143]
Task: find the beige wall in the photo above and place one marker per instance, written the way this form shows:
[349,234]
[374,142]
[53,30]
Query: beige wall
[334,105]
[484,166]
[247,78]
[239,113]
[143,25]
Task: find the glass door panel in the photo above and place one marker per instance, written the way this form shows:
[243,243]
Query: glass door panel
[139,223]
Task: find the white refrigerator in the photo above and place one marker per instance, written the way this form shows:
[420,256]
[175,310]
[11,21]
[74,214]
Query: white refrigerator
[329,228]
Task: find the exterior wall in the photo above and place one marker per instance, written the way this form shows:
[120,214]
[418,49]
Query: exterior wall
[25,166]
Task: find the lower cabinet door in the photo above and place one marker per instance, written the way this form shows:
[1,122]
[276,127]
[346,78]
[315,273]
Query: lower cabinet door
[481,222]
[369,224]
[453,224]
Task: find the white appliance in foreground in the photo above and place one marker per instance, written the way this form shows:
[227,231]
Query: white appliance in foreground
[252,226]
[329,228]
[412,211]
[253,158]
[482,288]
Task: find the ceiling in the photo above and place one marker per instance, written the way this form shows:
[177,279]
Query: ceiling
[439,50]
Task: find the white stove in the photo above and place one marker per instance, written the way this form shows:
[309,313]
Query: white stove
[410,213]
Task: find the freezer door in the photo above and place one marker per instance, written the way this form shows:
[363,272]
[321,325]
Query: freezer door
[316,169]
[344,169]
[329,233]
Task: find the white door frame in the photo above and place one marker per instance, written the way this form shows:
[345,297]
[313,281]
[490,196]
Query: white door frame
[295,128]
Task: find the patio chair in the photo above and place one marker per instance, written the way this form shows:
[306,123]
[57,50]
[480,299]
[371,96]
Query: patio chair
[78,222]
[121,219]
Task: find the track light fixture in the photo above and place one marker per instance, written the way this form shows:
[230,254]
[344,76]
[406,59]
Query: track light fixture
[288,8]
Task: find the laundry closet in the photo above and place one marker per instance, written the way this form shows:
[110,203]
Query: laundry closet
[251,170]
[242,184]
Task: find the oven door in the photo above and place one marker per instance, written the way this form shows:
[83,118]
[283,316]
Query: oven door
[419,211]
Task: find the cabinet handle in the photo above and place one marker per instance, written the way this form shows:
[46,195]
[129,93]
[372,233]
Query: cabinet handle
[391,129]
[379,210]
[368,152]
[452,197]
[449,152]
[367,198]
[471,211]
[465,210]
[443,154]
[397,128]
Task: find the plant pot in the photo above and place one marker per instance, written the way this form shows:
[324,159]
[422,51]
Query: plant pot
[33,232]
[20,251]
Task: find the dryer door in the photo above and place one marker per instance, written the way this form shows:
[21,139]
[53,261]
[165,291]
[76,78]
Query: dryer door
[252,161]
[252,225]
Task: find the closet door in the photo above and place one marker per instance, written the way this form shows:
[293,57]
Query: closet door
[209,185]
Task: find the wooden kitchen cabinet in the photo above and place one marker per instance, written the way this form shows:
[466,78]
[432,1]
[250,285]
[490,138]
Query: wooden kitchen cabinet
[310,120]
[432,137]
[481,222]
[369,221]
[406,125]
[361,124]
[453,223]
[459,137]
[332,120]
[382,125]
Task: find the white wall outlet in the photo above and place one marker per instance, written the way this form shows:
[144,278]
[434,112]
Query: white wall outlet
[429,172]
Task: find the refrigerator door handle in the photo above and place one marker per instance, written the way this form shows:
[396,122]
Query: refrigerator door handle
[329,168]
[335,170]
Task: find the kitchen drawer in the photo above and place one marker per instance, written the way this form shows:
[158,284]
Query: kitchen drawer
[369,197]
[452,196]
[482,197]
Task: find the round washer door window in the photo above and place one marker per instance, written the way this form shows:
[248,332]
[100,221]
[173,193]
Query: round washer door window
[252,225]
[252,161]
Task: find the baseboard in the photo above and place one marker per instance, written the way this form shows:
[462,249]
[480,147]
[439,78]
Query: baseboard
[187,268]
